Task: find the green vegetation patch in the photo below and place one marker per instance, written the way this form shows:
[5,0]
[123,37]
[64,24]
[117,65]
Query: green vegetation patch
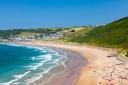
[28,34]
[114,34]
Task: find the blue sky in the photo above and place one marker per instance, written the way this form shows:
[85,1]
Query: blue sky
[59,13]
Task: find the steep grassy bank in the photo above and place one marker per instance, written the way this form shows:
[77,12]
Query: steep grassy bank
[113,35]
[77,36]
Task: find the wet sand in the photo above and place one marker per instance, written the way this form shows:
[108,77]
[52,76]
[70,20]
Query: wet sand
[104,67]
[66,74]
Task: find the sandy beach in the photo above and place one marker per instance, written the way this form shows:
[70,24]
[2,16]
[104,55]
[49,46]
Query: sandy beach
[104,67]
[64,75]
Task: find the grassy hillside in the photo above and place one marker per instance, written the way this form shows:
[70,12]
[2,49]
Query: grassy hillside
[114,34]
[28,34]
[77,36]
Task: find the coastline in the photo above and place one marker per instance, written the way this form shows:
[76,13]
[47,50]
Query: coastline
[103,68]
[64,75]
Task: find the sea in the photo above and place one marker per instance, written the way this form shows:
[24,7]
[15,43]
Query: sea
[22,64]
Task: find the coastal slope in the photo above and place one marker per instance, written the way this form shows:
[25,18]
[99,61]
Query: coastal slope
[114,35]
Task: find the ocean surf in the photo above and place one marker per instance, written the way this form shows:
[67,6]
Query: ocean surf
[21,64]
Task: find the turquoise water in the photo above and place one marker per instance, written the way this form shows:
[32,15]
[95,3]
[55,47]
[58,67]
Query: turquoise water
[20,65]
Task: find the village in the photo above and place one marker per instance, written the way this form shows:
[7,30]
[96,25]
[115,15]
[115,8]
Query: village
[56,35]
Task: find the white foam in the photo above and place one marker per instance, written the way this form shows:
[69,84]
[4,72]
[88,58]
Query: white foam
[33,58]
[40,57]
[53,51]
[48,56]
[21,75]
[11,44]
[8,83]
[37,66]
[36,58]
[39,48]
[44,57]
[27,46]
[44,51]
[34,79]
[39,75]
[34,66]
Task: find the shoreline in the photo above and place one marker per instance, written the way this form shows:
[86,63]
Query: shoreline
[103,69]
[66,72]
[65,75]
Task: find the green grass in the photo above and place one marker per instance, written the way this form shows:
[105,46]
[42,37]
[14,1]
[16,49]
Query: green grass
[28,34]
[114,35]
[77,36]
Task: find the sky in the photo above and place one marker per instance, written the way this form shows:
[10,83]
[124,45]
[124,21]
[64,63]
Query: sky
[15,14]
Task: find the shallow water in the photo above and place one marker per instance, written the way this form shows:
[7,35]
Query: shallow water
[20,64]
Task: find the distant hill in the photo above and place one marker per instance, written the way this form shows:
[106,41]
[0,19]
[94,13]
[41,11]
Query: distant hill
[114,34]
[29,32]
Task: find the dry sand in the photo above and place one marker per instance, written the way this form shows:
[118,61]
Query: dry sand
[103,68]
